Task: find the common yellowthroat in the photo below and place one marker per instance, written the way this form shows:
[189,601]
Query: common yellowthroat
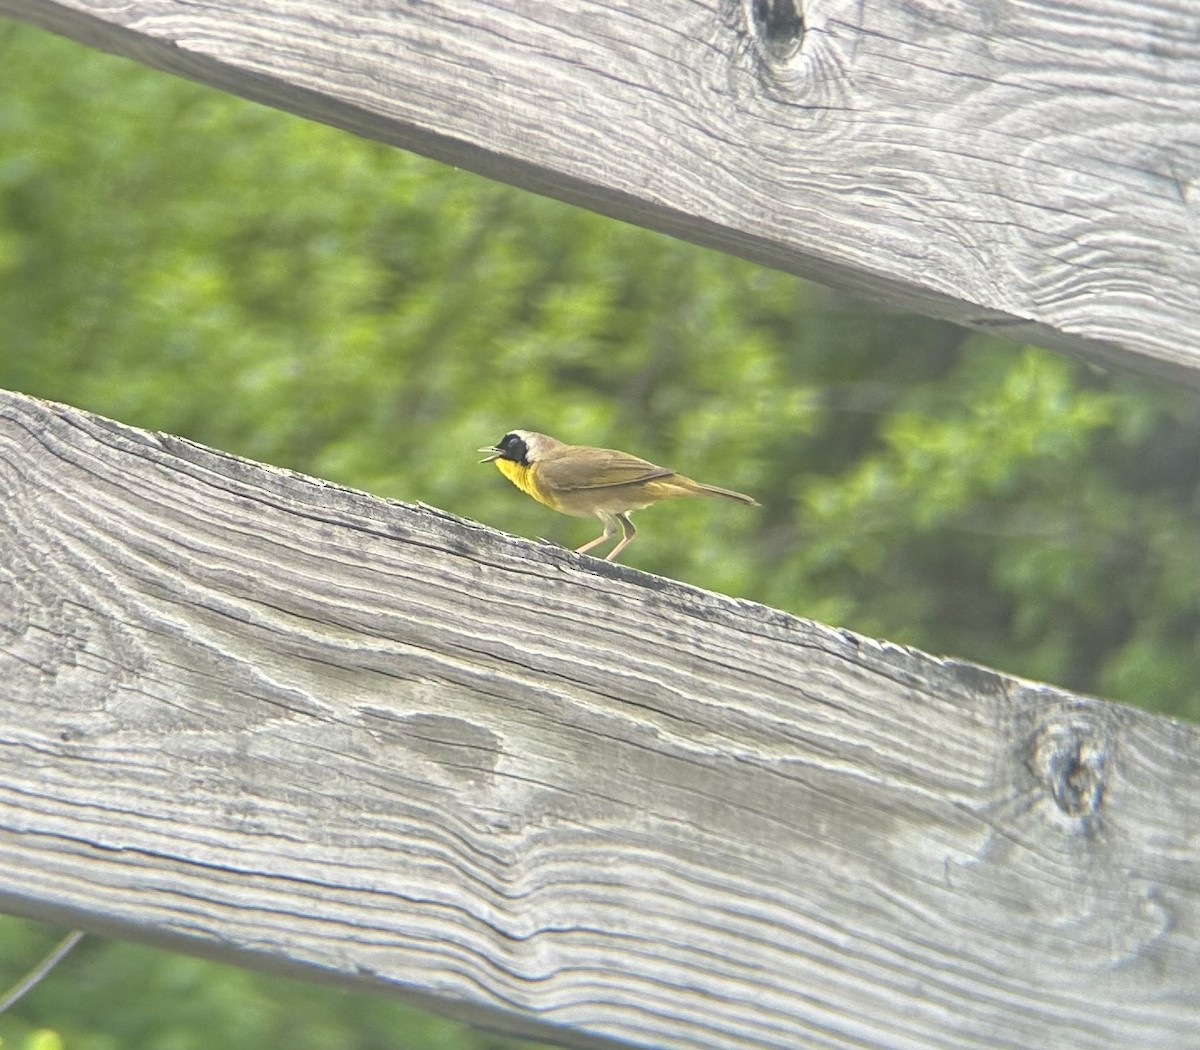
[581,481]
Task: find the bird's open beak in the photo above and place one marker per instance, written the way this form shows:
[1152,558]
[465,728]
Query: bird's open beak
[492,453]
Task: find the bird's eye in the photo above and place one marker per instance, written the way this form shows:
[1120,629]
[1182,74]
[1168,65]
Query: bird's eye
[513,447]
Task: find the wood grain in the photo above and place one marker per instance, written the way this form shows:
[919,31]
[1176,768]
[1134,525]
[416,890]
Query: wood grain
[1027,168]
[248,714]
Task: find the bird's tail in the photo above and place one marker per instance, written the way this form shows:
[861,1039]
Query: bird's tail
[713,490]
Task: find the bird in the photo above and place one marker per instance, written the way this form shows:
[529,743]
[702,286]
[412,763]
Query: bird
[584,481]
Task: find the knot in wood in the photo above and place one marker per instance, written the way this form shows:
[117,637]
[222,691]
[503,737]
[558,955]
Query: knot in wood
[779,25]
[1070,759]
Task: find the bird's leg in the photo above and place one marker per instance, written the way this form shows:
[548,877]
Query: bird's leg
[629,532]
[610,530]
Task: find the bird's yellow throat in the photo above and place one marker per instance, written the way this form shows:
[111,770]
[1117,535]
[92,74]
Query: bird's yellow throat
[522,476]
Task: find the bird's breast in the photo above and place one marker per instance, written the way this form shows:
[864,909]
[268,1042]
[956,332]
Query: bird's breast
[524,478]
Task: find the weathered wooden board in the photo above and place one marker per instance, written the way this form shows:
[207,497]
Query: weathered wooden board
[1029,168]
[249,714]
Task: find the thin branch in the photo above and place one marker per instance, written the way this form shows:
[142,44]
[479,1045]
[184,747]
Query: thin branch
[35,976]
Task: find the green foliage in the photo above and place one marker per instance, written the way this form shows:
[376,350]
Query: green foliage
[185,261]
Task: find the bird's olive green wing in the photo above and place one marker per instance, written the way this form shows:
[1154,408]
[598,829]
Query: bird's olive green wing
[578,469]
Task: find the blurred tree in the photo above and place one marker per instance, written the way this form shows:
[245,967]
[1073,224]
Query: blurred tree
[186,261]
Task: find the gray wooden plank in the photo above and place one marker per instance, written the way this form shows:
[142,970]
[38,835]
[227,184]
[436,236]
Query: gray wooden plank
[249,714]
[1032,169]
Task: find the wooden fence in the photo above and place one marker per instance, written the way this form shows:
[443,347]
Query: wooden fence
[1031,169]
[252,715]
